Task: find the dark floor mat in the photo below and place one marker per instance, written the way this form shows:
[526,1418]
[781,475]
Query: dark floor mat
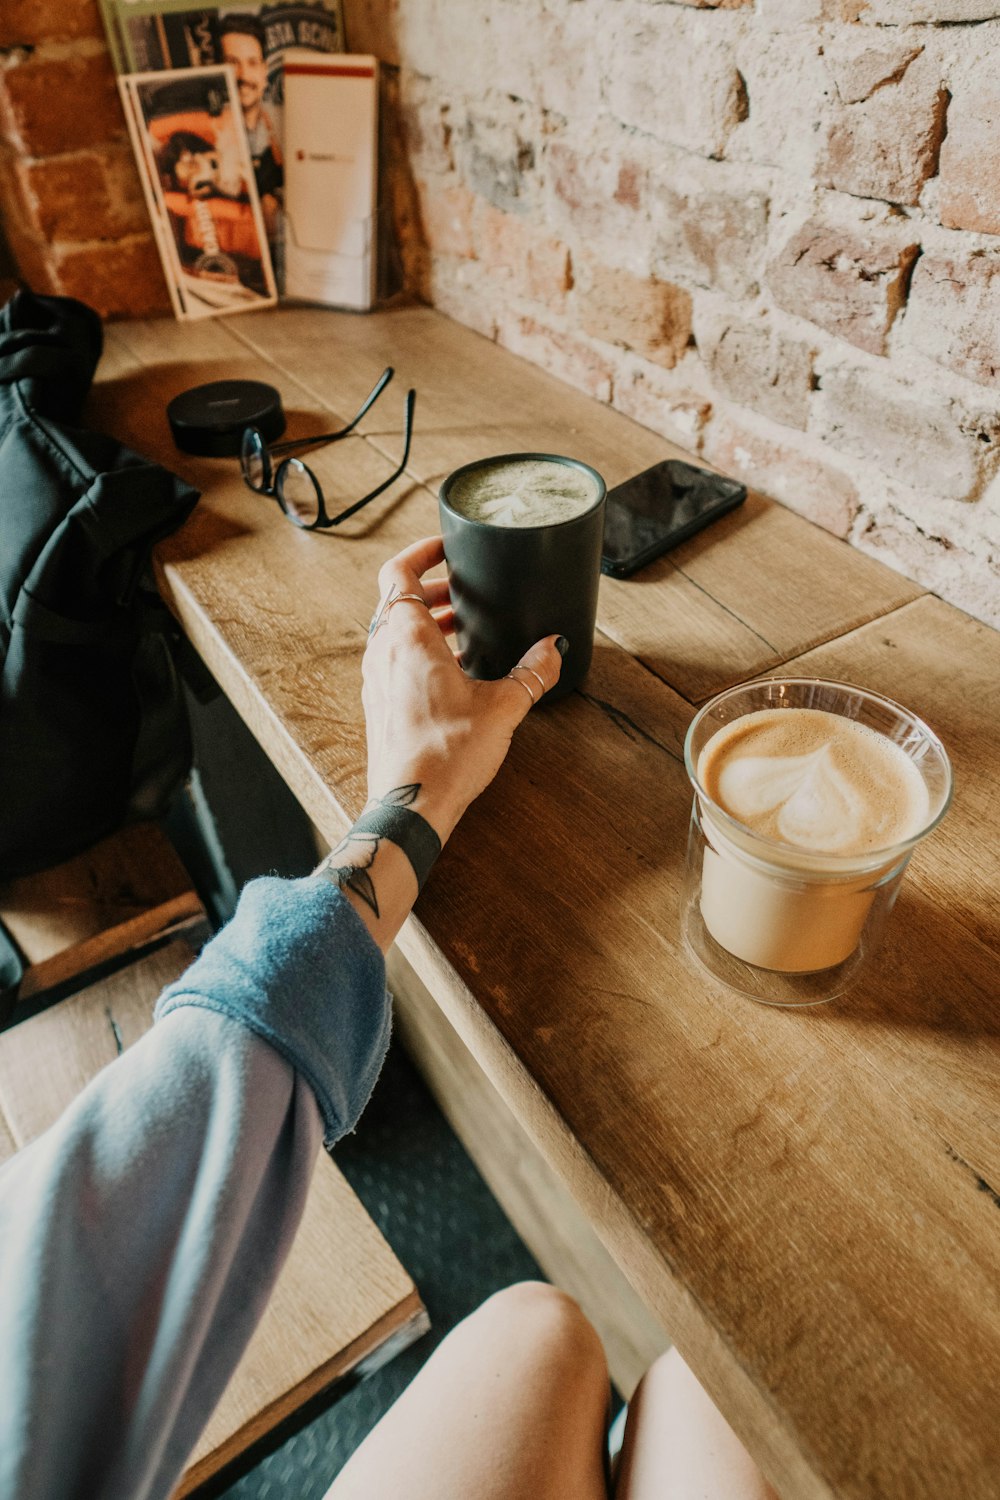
[422,1190]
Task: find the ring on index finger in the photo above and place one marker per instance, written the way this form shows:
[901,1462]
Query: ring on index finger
[378,619]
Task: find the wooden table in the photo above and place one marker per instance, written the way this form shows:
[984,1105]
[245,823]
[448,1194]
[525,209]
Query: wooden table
[809,1201]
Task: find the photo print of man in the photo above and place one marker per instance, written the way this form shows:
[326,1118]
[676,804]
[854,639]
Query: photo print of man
[189,138]
[252,39]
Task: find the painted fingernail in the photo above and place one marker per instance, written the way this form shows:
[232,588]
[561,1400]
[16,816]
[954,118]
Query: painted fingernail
[562,645]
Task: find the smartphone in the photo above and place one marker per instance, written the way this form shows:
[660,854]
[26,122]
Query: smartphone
[660,507]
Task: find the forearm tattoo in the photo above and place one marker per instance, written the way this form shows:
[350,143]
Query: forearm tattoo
[389,817]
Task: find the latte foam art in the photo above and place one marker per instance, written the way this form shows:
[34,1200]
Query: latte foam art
[522,492]
[814,780]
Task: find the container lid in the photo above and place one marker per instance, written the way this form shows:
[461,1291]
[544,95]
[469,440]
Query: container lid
[211,419]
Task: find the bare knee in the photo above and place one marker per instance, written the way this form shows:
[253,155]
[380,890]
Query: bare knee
[548,1321]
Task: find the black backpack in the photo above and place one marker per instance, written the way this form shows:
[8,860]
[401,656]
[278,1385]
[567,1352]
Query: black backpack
[93,728]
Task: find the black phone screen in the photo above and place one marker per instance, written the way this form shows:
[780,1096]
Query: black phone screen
[659,508]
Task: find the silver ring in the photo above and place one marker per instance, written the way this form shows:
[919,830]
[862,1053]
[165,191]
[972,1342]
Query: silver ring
[417,599]
[378,618]
[522,668]
[521,683]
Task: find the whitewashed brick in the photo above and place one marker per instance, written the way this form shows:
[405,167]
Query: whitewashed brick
[710,226]
[564,353]
[754,363]
[882,135]
[906,12]
[932,543]
[639,312]
[845,268]
[671,72]
[674,403]
[953,313]
[496,152]
[791,467]
[788,87]
[926,439]
[969,196]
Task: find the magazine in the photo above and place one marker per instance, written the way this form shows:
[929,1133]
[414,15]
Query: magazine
[191,148]
[253,38]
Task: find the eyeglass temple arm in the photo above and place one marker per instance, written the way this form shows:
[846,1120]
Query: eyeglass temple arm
[411,401]
[331,437]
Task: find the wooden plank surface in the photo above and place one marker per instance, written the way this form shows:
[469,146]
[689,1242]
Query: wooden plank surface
[125,892]
[531,1194]
[342,1296]
[718,616]
[816,1234]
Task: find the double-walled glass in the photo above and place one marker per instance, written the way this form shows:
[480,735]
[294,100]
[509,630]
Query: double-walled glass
[785,925]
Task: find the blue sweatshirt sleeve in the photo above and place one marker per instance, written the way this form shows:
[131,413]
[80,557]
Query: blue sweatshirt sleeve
[140,1237]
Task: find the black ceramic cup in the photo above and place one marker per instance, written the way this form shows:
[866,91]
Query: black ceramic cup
[513,584]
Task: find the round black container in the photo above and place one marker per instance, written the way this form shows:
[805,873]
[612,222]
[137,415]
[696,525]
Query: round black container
[211,419]
[511,585]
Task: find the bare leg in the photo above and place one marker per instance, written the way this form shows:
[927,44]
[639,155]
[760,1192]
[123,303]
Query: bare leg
[511,1406]
[678,1446]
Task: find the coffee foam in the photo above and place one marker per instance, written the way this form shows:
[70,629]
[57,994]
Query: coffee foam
[525,492]
[814,780]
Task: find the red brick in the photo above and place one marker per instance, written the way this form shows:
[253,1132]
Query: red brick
[25,23]
[32,258]
[652,317]
[447,214]
[953,313]
[970,162]
[56,105]
[882,135]
[755,364]
[797,470]
[86,195]
[848,276]
[15,210]
[122,279]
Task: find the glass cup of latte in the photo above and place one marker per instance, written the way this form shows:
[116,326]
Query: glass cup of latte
[809,798]
[522,538]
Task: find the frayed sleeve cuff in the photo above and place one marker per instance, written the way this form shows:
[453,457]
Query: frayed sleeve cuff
[297,965]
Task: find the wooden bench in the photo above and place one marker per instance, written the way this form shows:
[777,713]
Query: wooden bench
[110,903]
[343,1303]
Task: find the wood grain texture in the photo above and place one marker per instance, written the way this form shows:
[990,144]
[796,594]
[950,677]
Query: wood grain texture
[127,891]
[806,1201]
[707,615]
[531,1194]
[342,1295]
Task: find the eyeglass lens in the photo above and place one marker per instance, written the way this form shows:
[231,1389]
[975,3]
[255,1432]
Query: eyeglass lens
[255,461]
[299,493]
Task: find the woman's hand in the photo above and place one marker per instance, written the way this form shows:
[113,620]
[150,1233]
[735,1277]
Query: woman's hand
[429,724]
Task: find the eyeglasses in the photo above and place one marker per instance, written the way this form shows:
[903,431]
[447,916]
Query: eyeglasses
[294,485]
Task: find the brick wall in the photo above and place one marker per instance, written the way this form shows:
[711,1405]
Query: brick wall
[72,208]
[769,229]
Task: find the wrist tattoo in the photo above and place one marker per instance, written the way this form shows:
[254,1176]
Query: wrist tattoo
[389,817]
